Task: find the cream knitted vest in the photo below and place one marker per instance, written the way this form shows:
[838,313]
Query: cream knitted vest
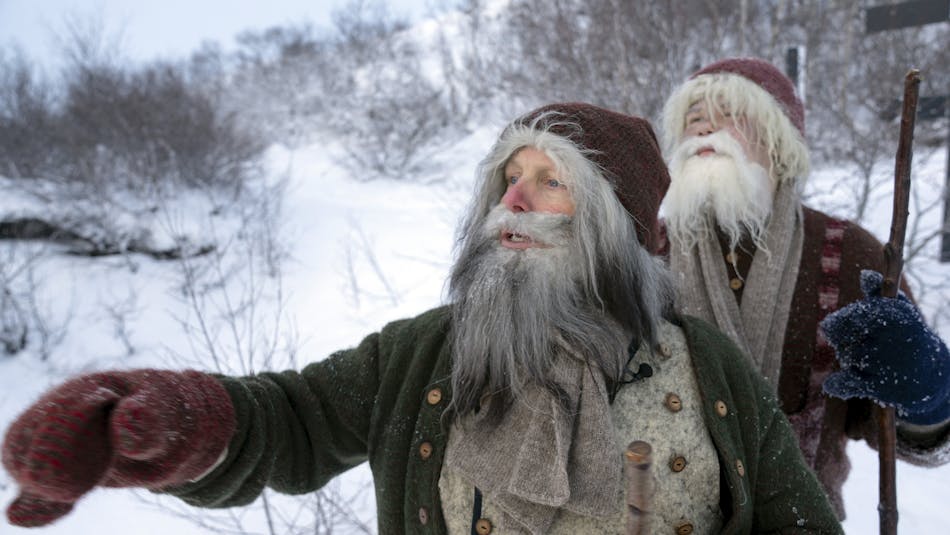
[664,410]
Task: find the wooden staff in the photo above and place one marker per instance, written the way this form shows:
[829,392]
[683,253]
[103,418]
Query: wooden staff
[893,264]
[638,459]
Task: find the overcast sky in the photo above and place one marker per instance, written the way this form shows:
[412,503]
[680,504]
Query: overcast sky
[152,29]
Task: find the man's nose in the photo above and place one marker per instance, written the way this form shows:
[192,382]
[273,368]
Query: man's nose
[516,199]
[702,127]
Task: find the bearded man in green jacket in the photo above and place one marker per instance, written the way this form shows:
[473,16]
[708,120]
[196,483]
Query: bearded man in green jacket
[558,392]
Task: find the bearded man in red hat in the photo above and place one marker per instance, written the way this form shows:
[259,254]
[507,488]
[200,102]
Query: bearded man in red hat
[749,257]
[557,393]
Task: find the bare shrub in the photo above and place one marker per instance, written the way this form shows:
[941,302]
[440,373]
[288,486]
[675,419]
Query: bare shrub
[394,114]
[13,315]
[234,296]
[27,119]
[852,106]
[27,318]
[152,127]
[284,80]
[109,123]
[366,83]
[621,55]
[393,134]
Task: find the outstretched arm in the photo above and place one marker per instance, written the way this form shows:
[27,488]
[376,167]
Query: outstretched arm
[295,430]
[213,441]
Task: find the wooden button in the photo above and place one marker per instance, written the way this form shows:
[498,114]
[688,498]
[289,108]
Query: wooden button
[425,450]
[638,452]
[740,468]
[673,402]
[683,528]
[483,526]
[731,258]
[678,463]
[721,408]
[434,396]
[735,283]
[423,516]
[666,351]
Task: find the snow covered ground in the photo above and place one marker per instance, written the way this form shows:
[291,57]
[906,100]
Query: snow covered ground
[360,254]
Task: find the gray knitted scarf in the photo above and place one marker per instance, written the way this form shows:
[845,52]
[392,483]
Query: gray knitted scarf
[758,325]
[542,458]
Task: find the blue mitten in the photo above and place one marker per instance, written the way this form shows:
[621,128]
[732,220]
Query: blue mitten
[889,355]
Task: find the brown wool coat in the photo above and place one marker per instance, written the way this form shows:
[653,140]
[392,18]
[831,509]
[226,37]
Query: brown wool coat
[824,424]
[382,401]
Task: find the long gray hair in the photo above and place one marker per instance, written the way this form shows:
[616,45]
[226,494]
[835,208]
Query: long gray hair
[600,292]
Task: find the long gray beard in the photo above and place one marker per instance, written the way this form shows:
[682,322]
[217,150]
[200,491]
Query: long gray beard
[509,306]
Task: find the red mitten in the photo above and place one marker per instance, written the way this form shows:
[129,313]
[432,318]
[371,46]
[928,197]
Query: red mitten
[143,428]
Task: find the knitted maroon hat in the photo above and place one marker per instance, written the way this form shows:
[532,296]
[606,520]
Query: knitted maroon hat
[766,76]
[625,148]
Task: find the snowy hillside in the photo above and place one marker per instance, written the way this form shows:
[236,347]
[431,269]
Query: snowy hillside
[354,227]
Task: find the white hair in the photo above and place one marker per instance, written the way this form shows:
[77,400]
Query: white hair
[742,97]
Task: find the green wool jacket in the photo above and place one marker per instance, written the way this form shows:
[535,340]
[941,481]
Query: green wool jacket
[382,401]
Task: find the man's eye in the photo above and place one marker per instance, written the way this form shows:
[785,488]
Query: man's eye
[512,180]
[554,183]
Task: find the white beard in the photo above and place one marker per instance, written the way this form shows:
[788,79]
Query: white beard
[735,191]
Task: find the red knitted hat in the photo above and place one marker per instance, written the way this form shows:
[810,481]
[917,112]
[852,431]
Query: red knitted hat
[625,148]
[766,76]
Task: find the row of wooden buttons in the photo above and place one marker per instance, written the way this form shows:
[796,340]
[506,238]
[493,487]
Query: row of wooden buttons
[675,404]
[678,464]
[483,526]
[433,397]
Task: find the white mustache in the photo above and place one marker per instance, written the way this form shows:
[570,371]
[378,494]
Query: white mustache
[540,227]
[721,142]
